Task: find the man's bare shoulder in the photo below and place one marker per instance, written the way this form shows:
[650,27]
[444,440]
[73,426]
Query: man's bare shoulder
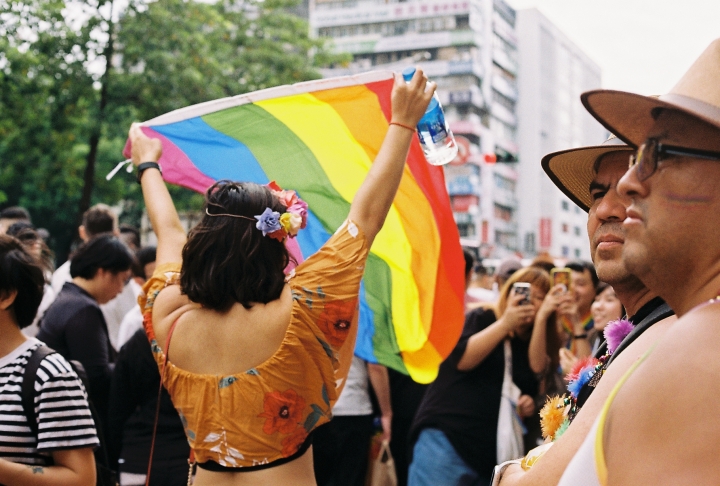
[663,421]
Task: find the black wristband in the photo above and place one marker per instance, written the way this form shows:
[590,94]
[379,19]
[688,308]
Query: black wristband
[580,336]
[143,166]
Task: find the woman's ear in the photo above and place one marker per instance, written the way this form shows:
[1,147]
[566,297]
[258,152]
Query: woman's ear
[7,298]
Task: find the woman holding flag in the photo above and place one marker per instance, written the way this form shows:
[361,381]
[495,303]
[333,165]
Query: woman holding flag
[258,356]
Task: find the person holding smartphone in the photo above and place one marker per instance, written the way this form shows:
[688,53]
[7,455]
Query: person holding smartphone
[455,429]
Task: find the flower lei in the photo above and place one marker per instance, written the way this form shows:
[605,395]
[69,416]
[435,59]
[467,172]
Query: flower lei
[288,224]
[559,411]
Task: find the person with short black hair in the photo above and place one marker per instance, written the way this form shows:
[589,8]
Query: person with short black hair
[74,325]
[101,219]
[97,220]
[12,215]
[61,453]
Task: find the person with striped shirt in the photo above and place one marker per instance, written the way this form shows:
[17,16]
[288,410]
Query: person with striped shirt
[62,452]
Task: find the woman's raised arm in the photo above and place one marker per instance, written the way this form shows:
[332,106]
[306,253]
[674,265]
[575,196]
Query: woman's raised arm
[374,198]
[161,210]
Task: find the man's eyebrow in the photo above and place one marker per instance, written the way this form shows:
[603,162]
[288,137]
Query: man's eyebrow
[595,185]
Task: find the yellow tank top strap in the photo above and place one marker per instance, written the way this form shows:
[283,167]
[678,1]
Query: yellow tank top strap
[600,465]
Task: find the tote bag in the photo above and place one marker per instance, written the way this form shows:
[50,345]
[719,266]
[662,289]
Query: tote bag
[510,427]
[382,468]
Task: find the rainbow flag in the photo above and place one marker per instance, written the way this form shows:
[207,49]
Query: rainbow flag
[320,138]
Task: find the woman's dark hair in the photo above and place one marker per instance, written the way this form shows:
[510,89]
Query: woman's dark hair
[227,259]
[469,261]
[104,251]
[580,266]
[21,272]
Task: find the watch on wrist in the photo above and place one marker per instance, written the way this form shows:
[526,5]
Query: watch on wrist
[580,336]
[143,166]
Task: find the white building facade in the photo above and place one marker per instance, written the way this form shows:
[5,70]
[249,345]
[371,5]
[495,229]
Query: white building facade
[469,47]
[553,73]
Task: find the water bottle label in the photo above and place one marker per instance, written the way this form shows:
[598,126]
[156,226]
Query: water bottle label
[433,123]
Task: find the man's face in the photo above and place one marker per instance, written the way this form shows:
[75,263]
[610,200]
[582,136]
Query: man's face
[605,218]
[671,226]
[112,284]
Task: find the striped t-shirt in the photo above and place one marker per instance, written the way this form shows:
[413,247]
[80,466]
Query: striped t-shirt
[61,406]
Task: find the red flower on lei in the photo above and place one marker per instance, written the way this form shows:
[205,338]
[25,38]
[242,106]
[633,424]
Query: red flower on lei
[293,442]
[283,411]
[335,320]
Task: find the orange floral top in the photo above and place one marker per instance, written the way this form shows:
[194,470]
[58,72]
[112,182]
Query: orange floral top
[264,414]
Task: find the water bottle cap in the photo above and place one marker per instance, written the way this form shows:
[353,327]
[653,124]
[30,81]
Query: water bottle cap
[408,73]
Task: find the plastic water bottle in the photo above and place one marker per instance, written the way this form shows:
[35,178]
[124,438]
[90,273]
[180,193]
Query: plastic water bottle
[436,139]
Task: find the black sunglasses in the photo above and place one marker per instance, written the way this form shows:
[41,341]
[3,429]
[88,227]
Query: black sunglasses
[651,152]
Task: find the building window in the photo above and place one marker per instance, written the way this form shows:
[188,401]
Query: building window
[504,183]
[564,228]
[565,206]
[503,213]
[530,242]
[577,230]
[565,251]
[577,252]
[503,100]
[462,21]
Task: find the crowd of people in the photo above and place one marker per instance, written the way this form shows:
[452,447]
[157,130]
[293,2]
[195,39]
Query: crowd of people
[598,373]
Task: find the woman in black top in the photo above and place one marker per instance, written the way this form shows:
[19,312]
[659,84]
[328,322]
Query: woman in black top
[74,325]
[455,428]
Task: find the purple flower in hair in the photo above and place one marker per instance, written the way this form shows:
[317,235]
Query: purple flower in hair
[268,221]
[615,332]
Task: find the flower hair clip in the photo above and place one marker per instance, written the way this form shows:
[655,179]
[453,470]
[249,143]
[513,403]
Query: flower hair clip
[288,224]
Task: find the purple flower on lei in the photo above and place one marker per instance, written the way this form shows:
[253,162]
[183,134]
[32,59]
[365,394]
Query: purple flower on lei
[268,221]
[615,332]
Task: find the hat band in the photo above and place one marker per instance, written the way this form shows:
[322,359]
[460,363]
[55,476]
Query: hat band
[705,110]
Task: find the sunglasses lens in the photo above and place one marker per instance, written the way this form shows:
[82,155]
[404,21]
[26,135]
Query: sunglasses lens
[646,160]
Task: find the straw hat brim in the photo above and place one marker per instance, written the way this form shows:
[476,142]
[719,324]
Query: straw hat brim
[573,170]
[631,116]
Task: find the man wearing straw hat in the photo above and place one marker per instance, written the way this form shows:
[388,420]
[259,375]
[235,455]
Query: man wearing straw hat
[589,176]
[660,424]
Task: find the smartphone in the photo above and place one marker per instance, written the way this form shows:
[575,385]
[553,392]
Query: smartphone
[522,288]
[561,276]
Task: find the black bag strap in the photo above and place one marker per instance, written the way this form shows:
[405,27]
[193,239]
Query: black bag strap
[27,392]
[661,312]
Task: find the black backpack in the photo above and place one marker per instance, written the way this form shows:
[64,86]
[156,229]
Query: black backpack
[105,475]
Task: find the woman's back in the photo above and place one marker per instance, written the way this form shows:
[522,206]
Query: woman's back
[251,385]
[205,341]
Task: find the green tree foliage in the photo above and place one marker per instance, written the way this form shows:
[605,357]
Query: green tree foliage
[46,96]
[64,107]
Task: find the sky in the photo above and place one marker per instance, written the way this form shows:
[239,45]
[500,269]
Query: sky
[642,46]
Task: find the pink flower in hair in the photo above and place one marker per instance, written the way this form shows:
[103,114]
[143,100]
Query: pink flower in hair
[300,208]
